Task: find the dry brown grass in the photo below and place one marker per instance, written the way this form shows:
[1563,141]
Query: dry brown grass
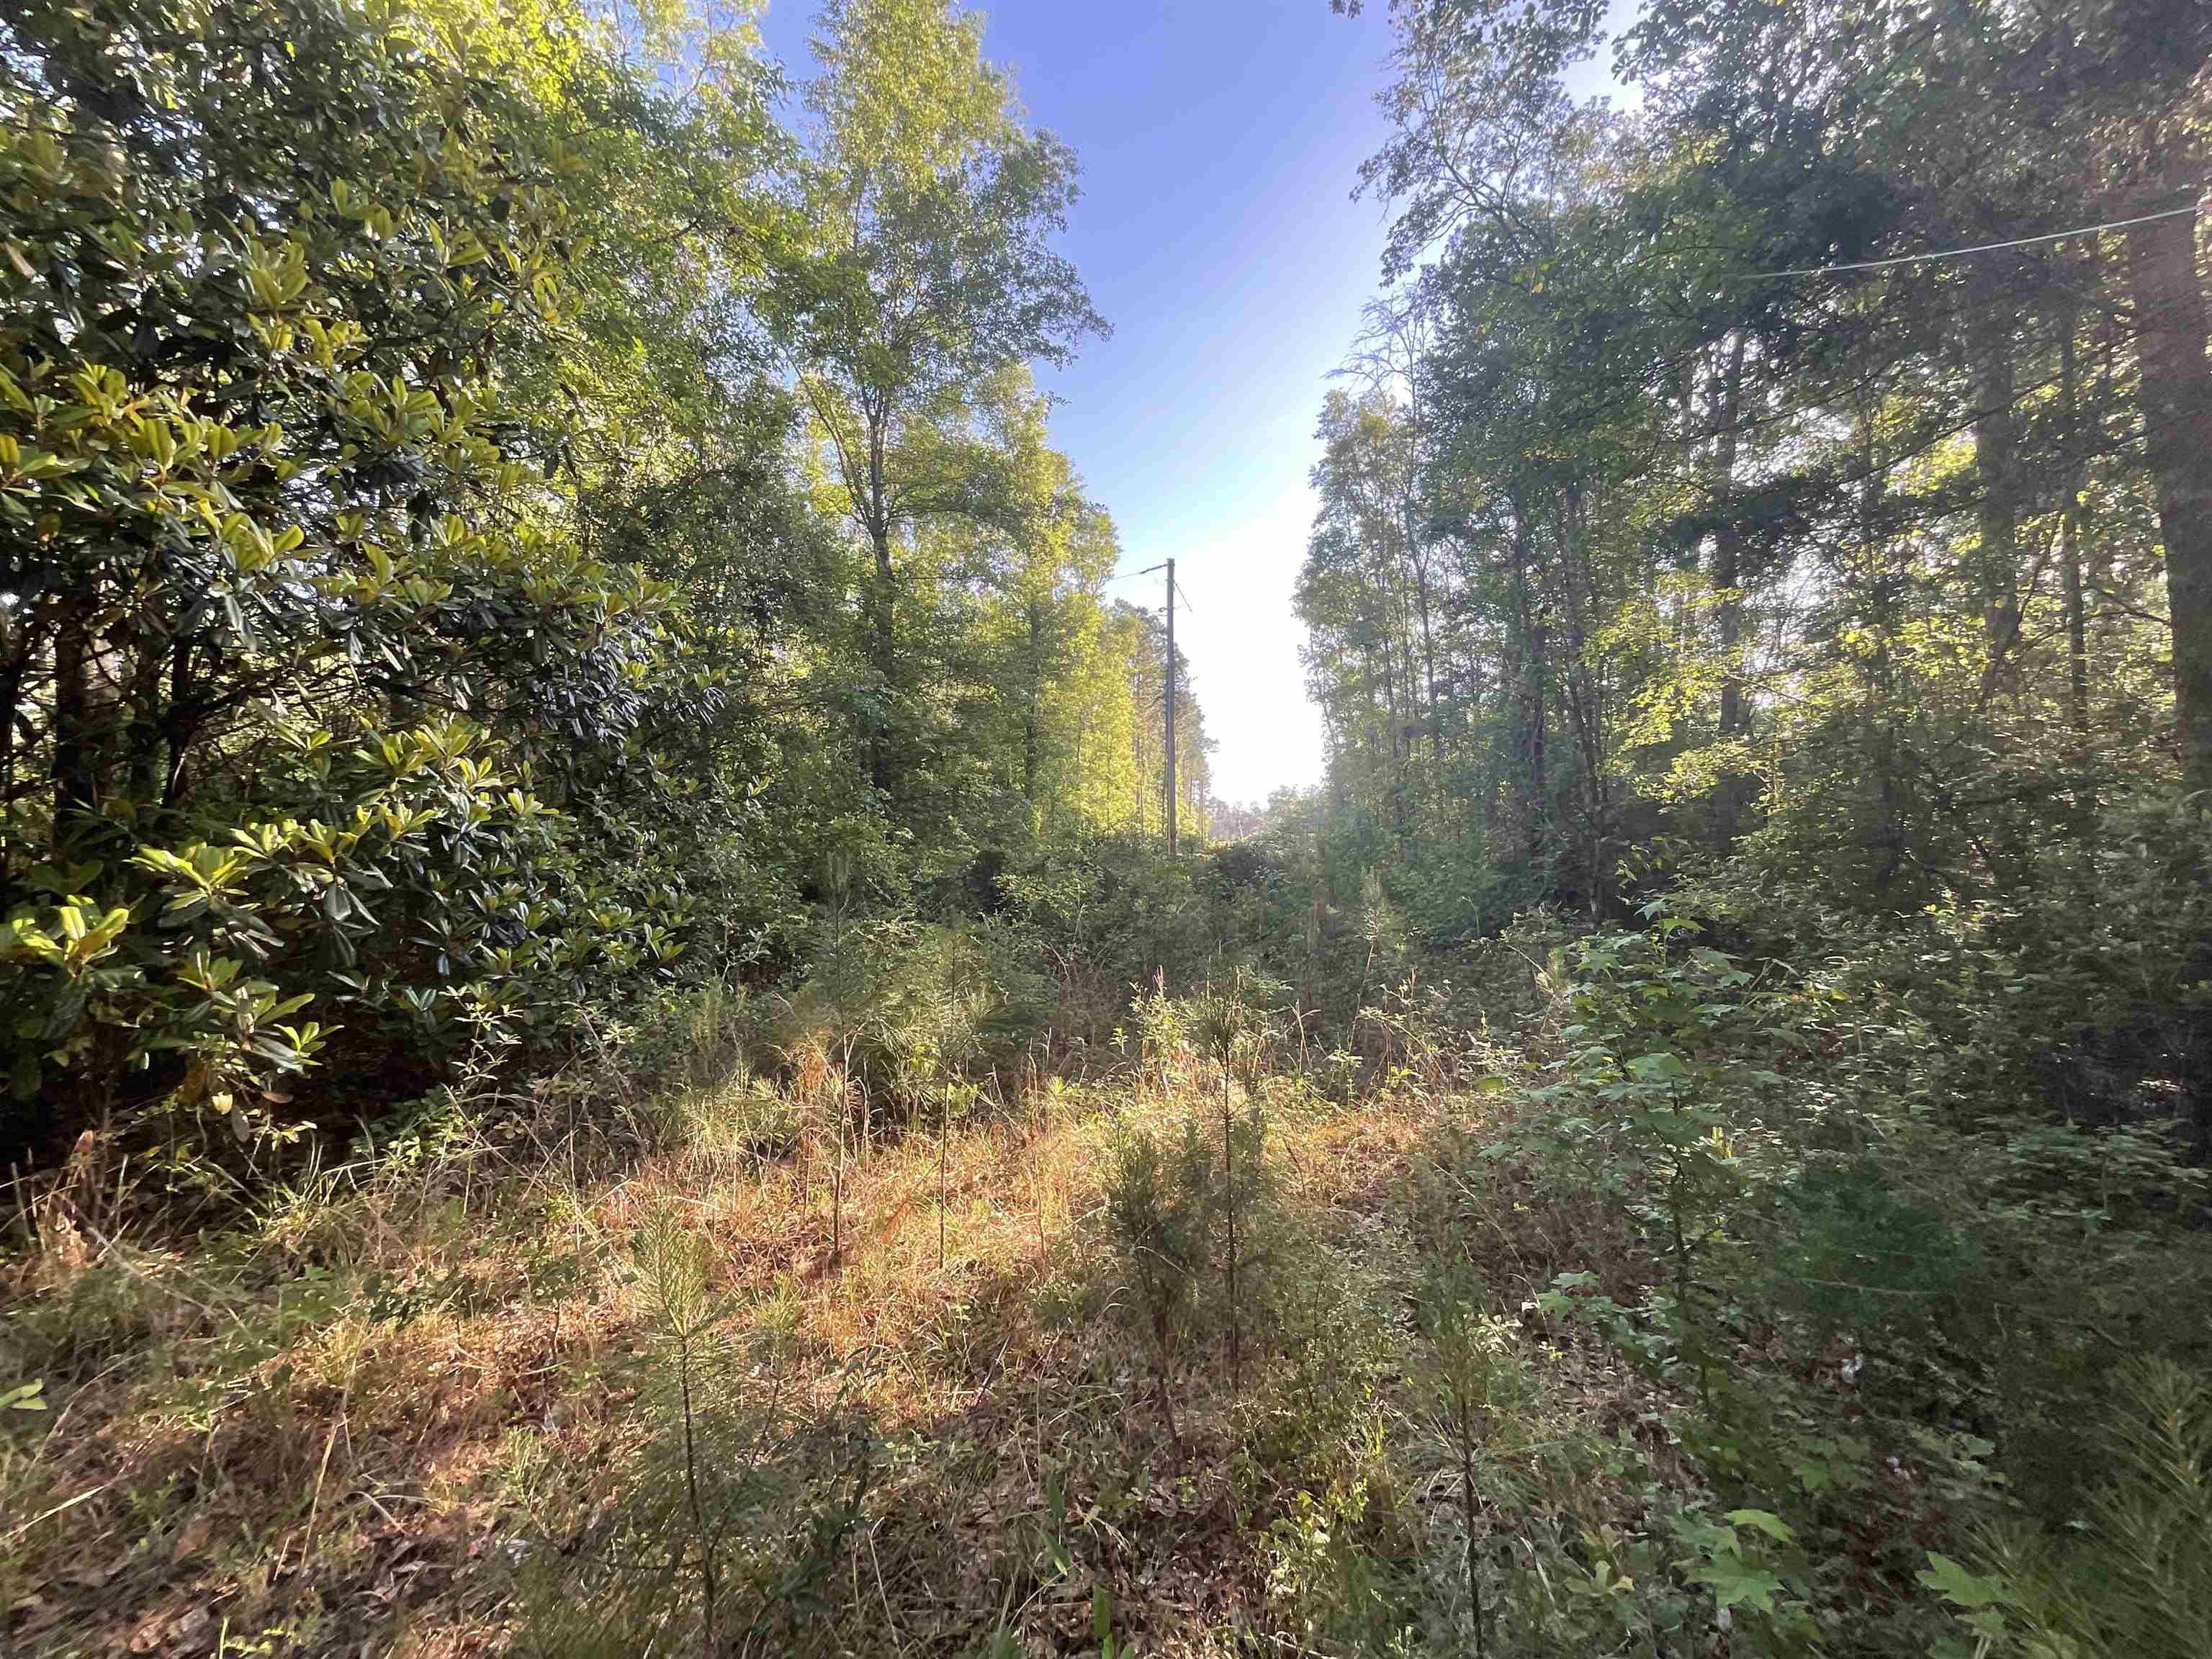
[300,1441]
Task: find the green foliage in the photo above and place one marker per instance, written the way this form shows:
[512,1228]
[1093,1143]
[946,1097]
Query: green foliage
[931,274]
[1663,1105]
[297,616]
[2136,1579]
[539,611]
[431,629]
[1335,1563]
[727,1518]
[1112,913]
[1341,1341]
[1686,504]
[1158,1197]
[1472,1394]
[1194,1228]
[1771,1142]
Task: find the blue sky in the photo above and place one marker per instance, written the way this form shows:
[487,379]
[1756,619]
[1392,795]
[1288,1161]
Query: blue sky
[1220,140]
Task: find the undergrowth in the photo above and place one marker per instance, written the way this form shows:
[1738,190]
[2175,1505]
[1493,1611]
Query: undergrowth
[1643,1311]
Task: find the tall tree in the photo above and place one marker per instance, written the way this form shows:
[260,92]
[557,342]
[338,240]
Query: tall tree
[1751,476]
[933,268]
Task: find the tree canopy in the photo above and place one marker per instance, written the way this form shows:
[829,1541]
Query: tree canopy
[484,504]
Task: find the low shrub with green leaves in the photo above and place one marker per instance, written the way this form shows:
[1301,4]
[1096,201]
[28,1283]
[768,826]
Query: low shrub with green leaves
[2135,1577]
[722,1522]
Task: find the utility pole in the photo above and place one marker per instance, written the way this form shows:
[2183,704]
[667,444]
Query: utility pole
[1171,703]
[1169,568]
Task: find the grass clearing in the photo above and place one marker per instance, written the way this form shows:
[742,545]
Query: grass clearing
[1197,1360]
[330,1430]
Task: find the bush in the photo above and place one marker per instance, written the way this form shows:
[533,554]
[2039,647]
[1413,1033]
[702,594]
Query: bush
[729,1515]
[2137,1580]
[1111,913]
[1195,1229]
[1157,1202]
[301,638]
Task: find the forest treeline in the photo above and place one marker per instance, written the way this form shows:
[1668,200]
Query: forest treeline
[1692,497]
[502,507]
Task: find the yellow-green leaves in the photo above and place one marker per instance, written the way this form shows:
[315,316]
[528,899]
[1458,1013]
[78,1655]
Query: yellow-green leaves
[80,937]
[275,273]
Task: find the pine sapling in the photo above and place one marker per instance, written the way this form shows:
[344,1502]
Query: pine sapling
[1469,1378]
[1229,1207]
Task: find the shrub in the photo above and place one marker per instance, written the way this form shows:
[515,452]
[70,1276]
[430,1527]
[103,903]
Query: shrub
[2137,1579]
[297,638]
[1158,1203]
[729,1515]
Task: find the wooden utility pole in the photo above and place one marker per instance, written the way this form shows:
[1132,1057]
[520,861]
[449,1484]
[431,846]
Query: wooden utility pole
[1171,703]
[1168,566]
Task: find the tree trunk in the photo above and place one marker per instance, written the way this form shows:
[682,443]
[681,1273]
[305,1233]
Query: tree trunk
[2077,627]
[1029,720]
[1428,664]
[2177,413]
[1732,794]
[883,630]
[17,634]
[146,723]
[1885,585]
[1728,540]
[74,767]
[1535,695]
[882,656]
[1397,723]
[1989,344]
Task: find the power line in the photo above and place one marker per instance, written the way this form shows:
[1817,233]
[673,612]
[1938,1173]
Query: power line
[1126,575]
[1960,253]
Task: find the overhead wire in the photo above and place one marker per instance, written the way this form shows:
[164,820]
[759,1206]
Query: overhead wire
[1961,252]
[1126,575]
